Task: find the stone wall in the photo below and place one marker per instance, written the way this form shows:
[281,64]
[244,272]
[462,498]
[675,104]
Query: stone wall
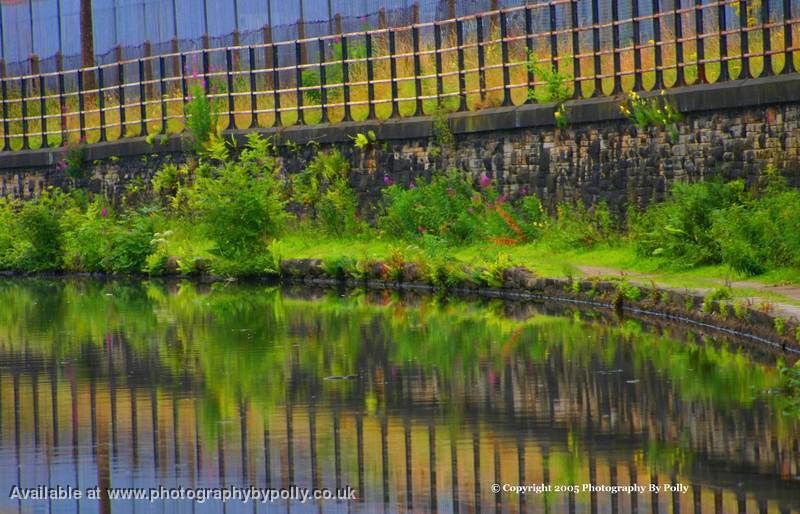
[732,131]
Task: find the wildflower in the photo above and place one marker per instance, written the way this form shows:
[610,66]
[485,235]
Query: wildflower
[104,212]
[412,185]
[469,210]
[524,191]
[451,191]
[485,181]
[502,199]
[387,181]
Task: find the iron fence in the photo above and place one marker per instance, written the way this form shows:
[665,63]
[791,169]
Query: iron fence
[462,63]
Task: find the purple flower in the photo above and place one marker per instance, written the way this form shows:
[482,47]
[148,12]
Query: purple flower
[485,182]
[412,185]
[104,212]
[387,181]
[502,199]
[524,191]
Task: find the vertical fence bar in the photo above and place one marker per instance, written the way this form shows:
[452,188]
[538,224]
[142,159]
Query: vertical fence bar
[143,101]
[276,83]
[637,46]
[598,81]
[723,42]
[680,55]
[462,74]
[101,102]
[437,47]
[348,115]
[744,41]
[370,77]
[615,46]
[162,92]
[658,47]
[323,91]
[529,55]
[418,109]
[61,108]
[206,70]
[788,37]
[121,94]
[299,56]
[81,106]
[576,48]
[229,86]
[393,73]
[43,111]
[699,31]
[766,37]
[251,59]
[481,57]
[4,90]
[554,36]
[505,58]
[23,92]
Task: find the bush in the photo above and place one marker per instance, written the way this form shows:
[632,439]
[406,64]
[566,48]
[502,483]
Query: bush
[239,204]
[40,245]
[130,245]
[323,189]
[576,226]
[86,237]
[680,229]
[448,207]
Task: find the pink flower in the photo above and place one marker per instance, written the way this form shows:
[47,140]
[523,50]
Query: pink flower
[104,212]
[451,191]
[387,181]
[485,182]
[469,210]
[502,199]
[412,185]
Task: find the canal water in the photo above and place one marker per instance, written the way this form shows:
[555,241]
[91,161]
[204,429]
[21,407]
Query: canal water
[417,403]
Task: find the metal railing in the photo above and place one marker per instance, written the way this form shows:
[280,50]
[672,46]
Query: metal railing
[457,64]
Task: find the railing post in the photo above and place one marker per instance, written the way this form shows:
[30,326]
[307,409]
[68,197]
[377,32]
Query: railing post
[437,46]
[4,91]
[61,103]
[162,92]
[554,36]
[700,45]
[323,91]
[176,57]
[24,110]
[529,48]
[276,95]
[268,54]
[615,44]
[576,48]
[229,86]
[43,110]
[299,60]
[370,77]
[723,42]
[481,57]
[121,94]
[348,115]
[251,59]
[418,109]
[393,74]
[744,41]
[680,54]
[101,102]
[766,70]
[788,38]
[142,101]
[637,46]
[597,89]
[205,60]
[81,106]
[148,66]
[658,47]
[462,74]
[505,58]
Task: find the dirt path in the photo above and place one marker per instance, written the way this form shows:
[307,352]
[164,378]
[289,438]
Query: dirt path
[786,310]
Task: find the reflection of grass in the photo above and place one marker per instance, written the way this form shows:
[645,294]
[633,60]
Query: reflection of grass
[475,99]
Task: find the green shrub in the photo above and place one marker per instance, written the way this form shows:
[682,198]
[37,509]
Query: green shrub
[680,229]
[7,222]
[448,207]
[239,203]
[41,241]
[323,189]
[130,245]
[86,237]
[576,226]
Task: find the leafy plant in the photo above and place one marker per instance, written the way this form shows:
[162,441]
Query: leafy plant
[365,141]
[201,117]
[556,87]
[73,162]
[657,111]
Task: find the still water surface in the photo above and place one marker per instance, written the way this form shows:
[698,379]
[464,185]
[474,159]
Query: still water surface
[420,404]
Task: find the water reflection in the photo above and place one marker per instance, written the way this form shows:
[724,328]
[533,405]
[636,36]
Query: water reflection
[419,404]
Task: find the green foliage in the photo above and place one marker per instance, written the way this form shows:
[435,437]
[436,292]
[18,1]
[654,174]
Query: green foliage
[448,208]
[130,245]
[73,162]
[239,203]
[443,138]
[201,117]
[41,239]
[629,291]
[556,88]
[655,111]
[323,189]
[311,77]
[365,141]
[680,229]
[493,274]
[576,226]
[790,387]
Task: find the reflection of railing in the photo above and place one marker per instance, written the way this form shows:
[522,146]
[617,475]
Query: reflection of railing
[460,63]
[405,458]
